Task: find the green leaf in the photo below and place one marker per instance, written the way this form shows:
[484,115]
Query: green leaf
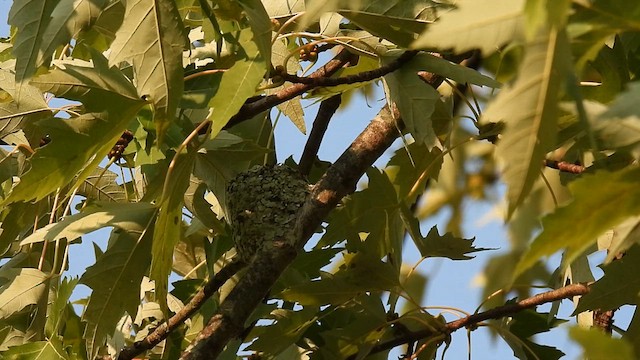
[57,311]
[528,108]
[237,85]
[453,71]
[168,229]
[151,38]
[616,287]
[115,282]
[374,212]
[94,216]
[411,167]
[14,116]
[415,100]
[447,246]
[16,218]
[20,288]
[476,24]
[67,20]
[400,31]
[360,274]
[102,185]
[30,17]
[38,350]
[598,345]
[518,330]
[98,87]
[590,214]
[289,327]
[260,26]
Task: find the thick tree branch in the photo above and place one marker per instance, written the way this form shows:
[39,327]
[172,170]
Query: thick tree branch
[326,111]
[162,331]
[339,180]
[355,78]
[566,292]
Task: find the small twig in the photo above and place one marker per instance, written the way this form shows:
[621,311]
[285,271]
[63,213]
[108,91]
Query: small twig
[566,292]
[327,108]
[564,166]
[255,106]
[355,78]
[162,331]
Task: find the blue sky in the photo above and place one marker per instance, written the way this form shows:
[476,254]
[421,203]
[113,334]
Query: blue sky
[450,283]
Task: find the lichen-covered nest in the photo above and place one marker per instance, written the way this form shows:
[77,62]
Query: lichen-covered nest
[262,204]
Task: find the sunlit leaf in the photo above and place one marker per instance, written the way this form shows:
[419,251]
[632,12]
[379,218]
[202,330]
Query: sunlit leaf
[37,350]
[476,24]
[21,287]
[168,229]
[115,282]
[577,225]
[58,309]
[93,217]
[151,38]
[238,84]
[528,108]
[599,345]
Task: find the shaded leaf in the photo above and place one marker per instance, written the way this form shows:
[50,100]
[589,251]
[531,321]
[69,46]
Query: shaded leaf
[67,20]
[151,38]
[260,26]
[58,310]
[360,274]
[577,225]
[476,24]
[616,287]
[415,100]
[31,18]
[289,327]
[411,167]
[101,185]
[528,108]
[115,282]
[447,246]
[518,330]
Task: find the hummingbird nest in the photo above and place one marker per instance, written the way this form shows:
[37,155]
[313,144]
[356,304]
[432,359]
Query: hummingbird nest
[262,204]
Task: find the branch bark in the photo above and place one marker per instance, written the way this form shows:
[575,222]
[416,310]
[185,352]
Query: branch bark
[326,111]
[340,179]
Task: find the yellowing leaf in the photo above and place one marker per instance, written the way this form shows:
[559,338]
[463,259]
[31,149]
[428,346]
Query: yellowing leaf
[599,345]
[151,38]
[529,110]
[601,201]
[476,24]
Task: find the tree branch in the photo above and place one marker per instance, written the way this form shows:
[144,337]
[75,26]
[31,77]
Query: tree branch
[564,166]
[355,78]
[327,108]
[566,292]
[162,331]
[252,108]
[339,180]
